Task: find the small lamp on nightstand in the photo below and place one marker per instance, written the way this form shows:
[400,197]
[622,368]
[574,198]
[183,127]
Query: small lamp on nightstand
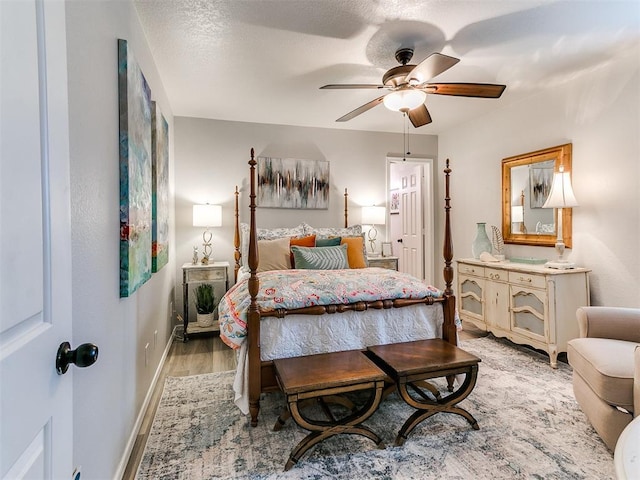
[373,216]
[561,196]
[207,216]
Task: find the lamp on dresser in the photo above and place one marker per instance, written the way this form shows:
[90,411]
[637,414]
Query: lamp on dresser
[373,216]
[561,196]
[207,216]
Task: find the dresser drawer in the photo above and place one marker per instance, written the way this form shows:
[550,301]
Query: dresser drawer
[527,280]
[496,274]
[204,275]
[471,269]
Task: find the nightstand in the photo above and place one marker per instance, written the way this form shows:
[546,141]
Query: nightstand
[384,262]
[216,274]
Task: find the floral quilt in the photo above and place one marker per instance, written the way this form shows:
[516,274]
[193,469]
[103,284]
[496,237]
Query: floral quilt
[289,289]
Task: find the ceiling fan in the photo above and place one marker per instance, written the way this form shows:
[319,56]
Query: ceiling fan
[408,85]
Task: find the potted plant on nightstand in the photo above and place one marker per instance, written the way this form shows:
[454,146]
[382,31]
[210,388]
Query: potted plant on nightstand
[205,304]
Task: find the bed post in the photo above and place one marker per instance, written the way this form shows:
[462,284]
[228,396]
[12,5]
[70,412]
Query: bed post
[346,210]
[236,238]
[449,332]
[253,323]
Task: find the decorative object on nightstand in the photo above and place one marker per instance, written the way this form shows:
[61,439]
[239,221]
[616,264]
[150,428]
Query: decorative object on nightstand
[214,275]
[561,196]
[481,242]
[194,259]
[207,216]
[205,304]
[373,216]
[387,249]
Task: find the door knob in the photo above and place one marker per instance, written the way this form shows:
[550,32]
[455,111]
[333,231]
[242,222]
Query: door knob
[83,356]
[399,240]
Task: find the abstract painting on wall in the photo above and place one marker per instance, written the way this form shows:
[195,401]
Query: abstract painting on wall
[159,189]
[135,172]
[292,183]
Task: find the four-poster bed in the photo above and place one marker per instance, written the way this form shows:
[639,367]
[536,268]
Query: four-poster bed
[386,318]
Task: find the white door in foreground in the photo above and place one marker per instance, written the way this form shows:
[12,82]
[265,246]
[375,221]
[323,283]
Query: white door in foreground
[36,422]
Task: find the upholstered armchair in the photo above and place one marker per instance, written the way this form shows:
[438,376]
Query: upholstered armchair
[604,368]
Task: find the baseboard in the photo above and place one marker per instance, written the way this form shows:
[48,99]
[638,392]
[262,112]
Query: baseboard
[122,466]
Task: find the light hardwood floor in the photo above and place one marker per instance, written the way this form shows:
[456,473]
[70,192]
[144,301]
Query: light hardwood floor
[203,355]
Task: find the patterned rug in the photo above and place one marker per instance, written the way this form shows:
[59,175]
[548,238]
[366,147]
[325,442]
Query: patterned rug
[530,427]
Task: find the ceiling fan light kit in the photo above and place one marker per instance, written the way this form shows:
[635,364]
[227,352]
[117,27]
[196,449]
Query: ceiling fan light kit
[409,88]
[404,100]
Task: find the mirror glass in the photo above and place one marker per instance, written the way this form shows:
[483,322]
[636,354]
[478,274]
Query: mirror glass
[526,183]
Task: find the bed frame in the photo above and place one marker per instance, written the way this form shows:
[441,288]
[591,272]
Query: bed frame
[261,374]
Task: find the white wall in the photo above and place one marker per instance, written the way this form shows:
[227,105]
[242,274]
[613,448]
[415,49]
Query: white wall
[599,112]
[212,156]
[108,396]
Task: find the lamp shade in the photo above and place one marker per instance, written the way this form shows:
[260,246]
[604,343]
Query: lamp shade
[561,195]
[404,100]
[373,215]
[207,215]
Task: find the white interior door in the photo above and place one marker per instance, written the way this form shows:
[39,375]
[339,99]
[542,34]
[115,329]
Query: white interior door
[411,247]
[411,227]
[36,430]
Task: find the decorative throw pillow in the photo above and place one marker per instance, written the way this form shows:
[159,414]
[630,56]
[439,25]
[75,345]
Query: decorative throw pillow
[328,242]
[321,258]
[356,251]
[308,241]
[274,254]
[334,232]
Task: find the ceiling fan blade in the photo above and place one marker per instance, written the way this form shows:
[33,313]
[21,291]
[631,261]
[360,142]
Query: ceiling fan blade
[419,116]
[483,90]
[433,65]
[351,85]
[361,109]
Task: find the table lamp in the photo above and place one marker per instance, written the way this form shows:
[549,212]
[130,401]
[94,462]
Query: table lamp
[561,196]
[373,216]
[207,216]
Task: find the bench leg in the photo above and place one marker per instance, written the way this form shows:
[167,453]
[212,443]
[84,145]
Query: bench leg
[323,401]
[427,407]
[321,430]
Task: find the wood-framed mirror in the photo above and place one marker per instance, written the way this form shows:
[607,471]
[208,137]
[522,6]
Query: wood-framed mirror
[526,182]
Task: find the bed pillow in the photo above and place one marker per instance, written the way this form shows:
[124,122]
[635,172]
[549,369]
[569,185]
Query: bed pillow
[273,233]
[308,241]
[334,232]
[321,258]
[274,255]
[328,242]
[265,234]
[356,251]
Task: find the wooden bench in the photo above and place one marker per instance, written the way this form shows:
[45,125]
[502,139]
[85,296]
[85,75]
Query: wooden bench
[411,364]
[323,379]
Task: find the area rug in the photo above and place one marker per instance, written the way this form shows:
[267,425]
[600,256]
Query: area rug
[530,427]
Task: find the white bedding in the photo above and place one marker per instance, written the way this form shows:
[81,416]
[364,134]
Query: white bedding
[298,335]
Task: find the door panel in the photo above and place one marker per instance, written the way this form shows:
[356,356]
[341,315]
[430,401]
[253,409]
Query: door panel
[36,430]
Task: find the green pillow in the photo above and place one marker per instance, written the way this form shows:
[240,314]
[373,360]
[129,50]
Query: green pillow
[328,242]
[321,258]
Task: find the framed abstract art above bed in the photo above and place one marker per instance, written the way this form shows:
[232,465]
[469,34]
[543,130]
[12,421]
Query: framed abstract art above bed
[293,183]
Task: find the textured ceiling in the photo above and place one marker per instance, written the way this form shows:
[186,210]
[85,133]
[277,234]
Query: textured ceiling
[264,60]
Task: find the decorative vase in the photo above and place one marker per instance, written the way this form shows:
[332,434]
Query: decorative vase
[204,319]
[481,242]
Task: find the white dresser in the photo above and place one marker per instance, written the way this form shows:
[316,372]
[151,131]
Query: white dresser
[528,304]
